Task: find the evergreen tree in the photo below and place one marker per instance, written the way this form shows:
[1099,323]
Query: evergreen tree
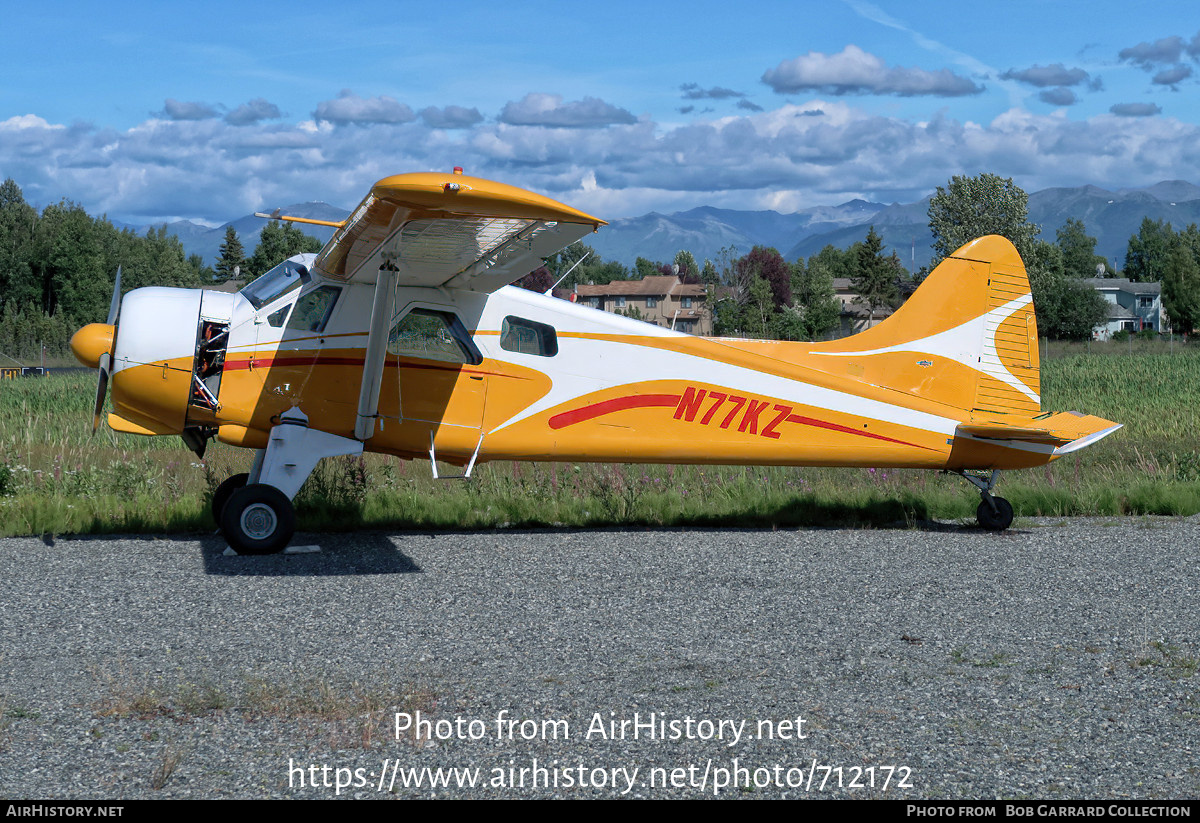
[689,272]
[277,243]
[874,278]
[233,255]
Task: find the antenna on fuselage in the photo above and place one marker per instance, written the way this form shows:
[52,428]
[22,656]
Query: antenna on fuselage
[548,292]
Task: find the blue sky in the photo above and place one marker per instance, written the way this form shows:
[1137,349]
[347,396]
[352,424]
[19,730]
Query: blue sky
[153,111]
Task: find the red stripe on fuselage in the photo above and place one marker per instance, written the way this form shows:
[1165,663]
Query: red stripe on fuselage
[636,401]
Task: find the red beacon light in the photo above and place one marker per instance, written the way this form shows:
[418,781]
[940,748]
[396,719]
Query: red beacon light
[453,187]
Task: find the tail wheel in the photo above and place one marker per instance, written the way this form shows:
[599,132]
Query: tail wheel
[258,519]
[221,495]
[995,520]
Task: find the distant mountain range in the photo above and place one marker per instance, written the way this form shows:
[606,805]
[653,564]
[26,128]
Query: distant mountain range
[1110,216]
[206,242]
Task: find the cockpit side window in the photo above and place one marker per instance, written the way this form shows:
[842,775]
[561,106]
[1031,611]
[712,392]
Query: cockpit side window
[433,335]
[277,317]
[280,280]
[313,309]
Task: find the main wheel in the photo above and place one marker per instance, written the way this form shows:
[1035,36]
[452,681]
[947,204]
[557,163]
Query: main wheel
[258,519]
[221,495]
[999,519]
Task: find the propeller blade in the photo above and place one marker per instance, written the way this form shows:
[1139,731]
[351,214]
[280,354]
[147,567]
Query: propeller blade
[114,313]
[114,307]
[101,390]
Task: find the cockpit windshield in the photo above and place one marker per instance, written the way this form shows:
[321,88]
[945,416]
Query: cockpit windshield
[280,280]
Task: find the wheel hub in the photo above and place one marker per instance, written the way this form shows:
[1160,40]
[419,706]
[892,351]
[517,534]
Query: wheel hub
[259,521]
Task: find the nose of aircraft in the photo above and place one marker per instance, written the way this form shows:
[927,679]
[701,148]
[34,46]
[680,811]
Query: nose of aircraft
[91,341]
[154,356]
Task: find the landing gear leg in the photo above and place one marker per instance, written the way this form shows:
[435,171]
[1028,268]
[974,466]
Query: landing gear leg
[258,517]
[994,513]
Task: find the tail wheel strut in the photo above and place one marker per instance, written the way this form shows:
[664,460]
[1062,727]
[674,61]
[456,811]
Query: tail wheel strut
[995,514]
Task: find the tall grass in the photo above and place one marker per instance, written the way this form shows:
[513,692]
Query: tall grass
[55,477]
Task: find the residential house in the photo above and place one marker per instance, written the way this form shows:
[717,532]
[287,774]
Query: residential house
[856,316]
[661,299]
[1133,306]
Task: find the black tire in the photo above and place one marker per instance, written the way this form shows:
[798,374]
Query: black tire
[998,520]
[258,519]
[221,495]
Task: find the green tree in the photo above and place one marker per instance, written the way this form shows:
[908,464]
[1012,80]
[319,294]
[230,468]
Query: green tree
[1066,307]
[837,262]
[644,268]
[233,255]
[766,263]
[759,310]
[277,243]
[689,272]
[1148,250]
[874,277]
[814,299]
[709,275]
[971,207]
[1181,281]
[592,269]
[1078,250]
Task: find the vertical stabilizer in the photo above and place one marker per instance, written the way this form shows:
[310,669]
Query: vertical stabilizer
[967,336]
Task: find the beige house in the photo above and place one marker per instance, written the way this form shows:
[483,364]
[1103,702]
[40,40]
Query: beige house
[662,300]
[856,317]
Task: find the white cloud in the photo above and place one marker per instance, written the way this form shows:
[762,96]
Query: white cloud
[1146,55]
[536,109]
[21,122]
[350,108]
[1046,76]
[854,71]
[212,170]
[253,112]
[451,117]
[1135,109]
[180,110]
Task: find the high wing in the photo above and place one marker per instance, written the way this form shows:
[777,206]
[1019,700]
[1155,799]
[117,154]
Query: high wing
[450,231]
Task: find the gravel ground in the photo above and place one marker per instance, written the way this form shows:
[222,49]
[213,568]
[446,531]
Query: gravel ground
[1057,660]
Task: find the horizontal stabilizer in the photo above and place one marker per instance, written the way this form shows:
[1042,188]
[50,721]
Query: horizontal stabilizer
[1058,434]
[1024,435]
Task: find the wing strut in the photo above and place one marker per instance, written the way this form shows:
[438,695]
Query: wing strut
[381,313]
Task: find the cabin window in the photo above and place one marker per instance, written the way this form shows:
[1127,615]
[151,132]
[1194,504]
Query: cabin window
[620,302]
[313,309]
[433,335]
[687,302]
[651,302]
[528,337]
[278,317]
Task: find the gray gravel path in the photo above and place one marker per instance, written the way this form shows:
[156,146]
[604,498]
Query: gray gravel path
[1058,660]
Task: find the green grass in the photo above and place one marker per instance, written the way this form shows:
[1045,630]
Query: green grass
[56,478]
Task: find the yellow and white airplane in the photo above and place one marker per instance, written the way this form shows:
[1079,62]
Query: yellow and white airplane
[403,336]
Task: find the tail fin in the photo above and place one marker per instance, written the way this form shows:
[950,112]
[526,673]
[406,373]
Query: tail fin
[967,337]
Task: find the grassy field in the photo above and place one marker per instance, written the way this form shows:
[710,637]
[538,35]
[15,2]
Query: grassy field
[55,478]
